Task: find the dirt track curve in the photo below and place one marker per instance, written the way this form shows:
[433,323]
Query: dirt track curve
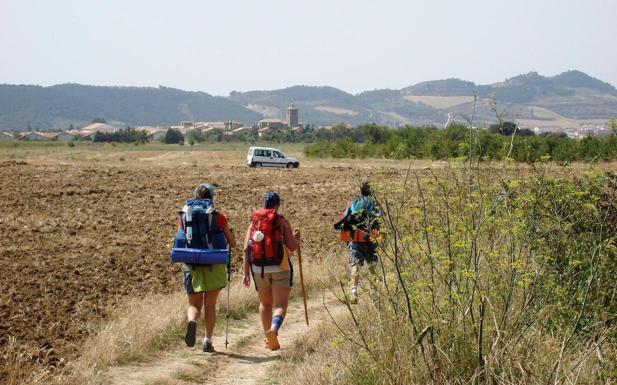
[246,361]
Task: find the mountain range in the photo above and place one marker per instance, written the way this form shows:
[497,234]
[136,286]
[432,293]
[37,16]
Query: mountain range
[567,100]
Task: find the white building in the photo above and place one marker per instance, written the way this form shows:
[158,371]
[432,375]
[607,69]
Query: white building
[157,134]
[99,127]
[4,136]
[65,136]
[34,136]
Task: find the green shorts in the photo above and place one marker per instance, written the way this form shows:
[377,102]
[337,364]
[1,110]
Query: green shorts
[198,279]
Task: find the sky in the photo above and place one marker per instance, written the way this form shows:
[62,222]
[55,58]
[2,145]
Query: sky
[355,45]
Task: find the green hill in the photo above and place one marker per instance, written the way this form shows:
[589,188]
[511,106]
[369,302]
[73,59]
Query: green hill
[328,105]
[565,100]
[57,107]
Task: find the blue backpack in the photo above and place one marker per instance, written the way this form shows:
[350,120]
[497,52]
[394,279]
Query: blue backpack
[199,239]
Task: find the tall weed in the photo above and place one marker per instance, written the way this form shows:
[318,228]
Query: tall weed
[488,278]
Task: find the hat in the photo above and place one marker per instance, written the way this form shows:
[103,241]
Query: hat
[365,189]
[271,199]
[204,191]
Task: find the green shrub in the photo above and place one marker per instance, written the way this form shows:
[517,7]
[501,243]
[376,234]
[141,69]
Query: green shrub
[173,136]
[455,141]
[490,280]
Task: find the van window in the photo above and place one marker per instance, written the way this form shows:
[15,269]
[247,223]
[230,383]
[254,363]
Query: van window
[267,153]
[278,154]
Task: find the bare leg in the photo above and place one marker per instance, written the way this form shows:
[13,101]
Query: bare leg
[210,311]
[280,296]
[281,299]
[355,275]
[195,304]
[265,306]
[371,268]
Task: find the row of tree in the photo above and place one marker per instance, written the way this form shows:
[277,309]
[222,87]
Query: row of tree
[459,141]
[126,135]
[370,140]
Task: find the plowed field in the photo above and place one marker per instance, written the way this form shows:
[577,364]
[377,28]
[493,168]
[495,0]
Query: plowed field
[81,229]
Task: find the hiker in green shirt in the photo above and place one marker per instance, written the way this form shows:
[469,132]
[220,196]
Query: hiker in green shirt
[204,282]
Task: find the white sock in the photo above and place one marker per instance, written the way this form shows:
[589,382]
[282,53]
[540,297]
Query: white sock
[206,339]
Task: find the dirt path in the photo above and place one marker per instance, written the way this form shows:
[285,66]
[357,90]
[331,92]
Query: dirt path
[246,361]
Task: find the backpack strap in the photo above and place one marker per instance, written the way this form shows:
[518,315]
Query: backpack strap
[207,233]
[202,225]
[291,272]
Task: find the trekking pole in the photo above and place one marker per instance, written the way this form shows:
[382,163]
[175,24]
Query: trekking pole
[227,307]
[302,285]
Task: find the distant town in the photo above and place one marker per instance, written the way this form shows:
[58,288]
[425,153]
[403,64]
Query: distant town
[157,133]
[236,128]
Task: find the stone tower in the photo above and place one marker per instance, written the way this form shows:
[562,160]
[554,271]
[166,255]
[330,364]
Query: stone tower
[292,116]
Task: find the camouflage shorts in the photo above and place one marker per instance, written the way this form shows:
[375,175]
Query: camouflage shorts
[362,252]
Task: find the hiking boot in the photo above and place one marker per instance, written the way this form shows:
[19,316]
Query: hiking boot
[272,341]
[191,331]
[208,348]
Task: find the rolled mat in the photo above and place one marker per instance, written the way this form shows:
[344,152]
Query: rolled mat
[199,256]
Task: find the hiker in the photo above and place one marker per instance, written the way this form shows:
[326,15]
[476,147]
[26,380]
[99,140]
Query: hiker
[268,245]
[204,282]
[359,227]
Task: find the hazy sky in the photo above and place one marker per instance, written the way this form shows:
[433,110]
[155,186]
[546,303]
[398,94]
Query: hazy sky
[218,46]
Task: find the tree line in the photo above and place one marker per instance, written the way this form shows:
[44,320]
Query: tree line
[126,135]
[497,142]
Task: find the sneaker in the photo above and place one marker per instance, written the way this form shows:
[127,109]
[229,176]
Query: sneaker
[272,340]
[353,299]
[191,331]
[208,348]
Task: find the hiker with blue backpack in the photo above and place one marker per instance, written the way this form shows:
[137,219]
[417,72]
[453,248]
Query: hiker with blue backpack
[359,227]
[202,243]
[268,245]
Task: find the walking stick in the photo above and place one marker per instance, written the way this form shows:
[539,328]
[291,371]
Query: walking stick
[227,307]
[302,285]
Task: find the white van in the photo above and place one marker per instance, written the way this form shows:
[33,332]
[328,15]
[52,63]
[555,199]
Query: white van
[269,157]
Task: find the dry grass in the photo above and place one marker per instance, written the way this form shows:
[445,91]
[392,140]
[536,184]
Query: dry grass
[440,101]
[323,356]
[142,326]
[315,357]
[138,327]
[19,367]
[337,110]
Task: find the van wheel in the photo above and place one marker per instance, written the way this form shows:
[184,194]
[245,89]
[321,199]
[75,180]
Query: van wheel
[290,165]
[258,165]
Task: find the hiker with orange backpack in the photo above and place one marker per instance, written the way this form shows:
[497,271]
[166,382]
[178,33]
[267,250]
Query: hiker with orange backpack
[202,244]
[359,227]
[267,247]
